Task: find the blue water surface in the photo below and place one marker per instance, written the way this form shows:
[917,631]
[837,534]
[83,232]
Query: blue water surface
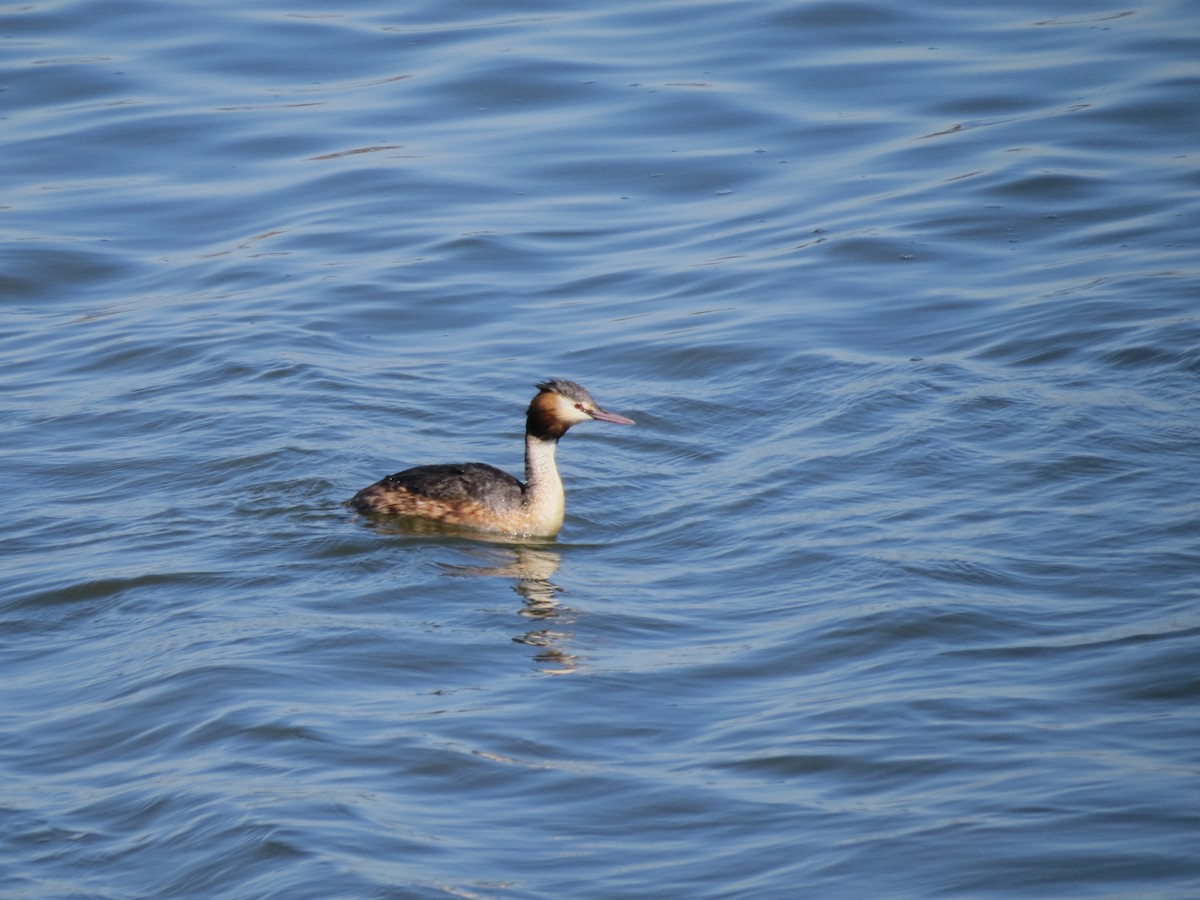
[894,590]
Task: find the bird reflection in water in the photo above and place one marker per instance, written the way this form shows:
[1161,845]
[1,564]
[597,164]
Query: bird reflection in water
[529,565]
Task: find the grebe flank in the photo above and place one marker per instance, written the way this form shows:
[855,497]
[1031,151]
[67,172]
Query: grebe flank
[482,497]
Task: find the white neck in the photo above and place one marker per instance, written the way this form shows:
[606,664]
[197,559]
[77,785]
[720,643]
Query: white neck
[544,499]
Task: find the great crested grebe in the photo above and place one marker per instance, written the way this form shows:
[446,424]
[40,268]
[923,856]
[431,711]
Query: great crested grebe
[484,498]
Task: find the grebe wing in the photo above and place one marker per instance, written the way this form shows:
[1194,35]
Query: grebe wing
[458,481]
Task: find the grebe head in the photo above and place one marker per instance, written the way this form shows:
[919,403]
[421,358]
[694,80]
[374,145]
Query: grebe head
[561,404]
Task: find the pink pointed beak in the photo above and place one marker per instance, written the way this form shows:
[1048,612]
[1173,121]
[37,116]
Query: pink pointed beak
[601,415]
